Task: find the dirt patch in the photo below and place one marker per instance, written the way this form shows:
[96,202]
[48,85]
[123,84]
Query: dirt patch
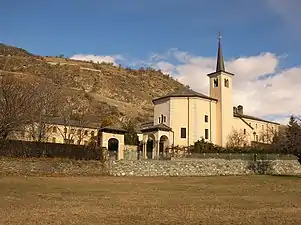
[150,200]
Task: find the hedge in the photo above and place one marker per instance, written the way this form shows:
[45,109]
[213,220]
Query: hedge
[26,149]
[202,146]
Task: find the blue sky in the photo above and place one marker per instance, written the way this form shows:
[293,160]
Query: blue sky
[139,27]
[260,38]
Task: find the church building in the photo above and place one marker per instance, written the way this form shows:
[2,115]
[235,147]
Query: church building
[183,117]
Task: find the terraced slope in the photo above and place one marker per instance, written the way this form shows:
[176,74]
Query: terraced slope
[111,90]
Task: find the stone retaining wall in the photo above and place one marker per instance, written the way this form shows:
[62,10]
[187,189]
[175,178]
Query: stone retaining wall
[50,167]
[202,167]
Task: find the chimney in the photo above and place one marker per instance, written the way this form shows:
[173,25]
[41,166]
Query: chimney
[240,110]
[234,110]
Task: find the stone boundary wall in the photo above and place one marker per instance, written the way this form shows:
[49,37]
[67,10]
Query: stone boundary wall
[202,167]
[50,167]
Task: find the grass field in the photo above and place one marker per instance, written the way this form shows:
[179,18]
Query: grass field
[140,200]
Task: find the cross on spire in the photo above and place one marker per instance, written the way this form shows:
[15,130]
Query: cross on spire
[220,65]
[219,36]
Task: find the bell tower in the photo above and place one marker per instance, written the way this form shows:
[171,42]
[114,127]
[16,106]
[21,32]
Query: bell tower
[221,89]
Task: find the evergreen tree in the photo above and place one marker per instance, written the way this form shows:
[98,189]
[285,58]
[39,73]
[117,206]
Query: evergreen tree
[131,137]
[293,138]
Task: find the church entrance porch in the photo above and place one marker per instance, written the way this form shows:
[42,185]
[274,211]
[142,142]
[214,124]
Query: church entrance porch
[155,141]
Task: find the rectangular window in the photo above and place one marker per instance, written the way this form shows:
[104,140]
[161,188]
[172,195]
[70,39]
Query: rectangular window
[256,125]
[159,119]
[183,132]
[263,127]
[206,118]
[245,131]
[206,134]
[164,119]
[256,137]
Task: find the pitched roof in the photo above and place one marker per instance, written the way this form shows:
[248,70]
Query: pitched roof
[156,127]
[253,118]
[113,128]
[220,65]
[185,92]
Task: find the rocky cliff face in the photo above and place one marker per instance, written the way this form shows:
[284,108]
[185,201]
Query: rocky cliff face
[111,90]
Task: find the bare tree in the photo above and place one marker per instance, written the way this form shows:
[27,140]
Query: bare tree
[66,113]
[267,135]
[18,100]
[83,121]
[48,102]
[75,117]
[237,138]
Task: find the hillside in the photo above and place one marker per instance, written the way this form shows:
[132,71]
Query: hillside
[111,90]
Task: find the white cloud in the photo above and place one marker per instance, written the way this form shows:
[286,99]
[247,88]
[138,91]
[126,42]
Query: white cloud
[98,58]
[257,85]
[165,67]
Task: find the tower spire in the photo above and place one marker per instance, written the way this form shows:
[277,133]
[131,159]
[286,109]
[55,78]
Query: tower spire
[220,65]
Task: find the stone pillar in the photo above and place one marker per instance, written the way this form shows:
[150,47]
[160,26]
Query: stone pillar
[120,151]
[158,148]
[154,149]
[144,150]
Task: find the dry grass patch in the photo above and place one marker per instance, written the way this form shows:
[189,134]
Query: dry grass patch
[151,200]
